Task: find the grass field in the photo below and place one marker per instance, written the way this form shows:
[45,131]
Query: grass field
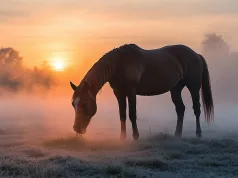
[160,155]
[37,142]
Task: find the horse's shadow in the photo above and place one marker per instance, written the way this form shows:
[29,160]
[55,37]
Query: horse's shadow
[78,143]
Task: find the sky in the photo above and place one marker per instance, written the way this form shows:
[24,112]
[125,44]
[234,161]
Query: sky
[79,31]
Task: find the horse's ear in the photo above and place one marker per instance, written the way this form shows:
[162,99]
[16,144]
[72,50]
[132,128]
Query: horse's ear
[73,86]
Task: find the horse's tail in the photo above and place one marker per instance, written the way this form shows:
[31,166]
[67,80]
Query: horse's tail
[207,93]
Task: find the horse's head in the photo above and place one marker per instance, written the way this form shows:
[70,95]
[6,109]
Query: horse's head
[84,103]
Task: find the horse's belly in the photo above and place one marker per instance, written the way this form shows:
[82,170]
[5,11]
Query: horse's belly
[153,89]
[157,84]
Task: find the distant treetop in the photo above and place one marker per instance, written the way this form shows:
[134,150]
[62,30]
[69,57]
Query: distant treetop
[214,46]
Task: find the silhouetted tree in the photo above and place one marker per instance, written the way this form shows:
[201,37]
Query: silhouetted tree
[215,47]
[14,76]
[9,58]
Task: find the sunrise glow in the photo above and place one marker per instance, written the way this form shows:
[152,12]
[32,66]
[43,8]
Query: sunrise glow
[58,64]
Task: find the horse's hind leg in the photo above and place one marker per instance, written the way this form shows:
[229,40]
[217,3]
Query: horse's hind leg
[176,95]
[197,109]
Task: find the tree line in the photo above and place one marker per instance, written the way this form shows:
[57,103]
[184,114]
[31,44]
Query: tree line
[14,76]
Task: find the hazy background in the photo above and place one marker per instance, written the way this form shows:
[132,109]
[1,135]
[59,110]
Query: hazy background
[36,97]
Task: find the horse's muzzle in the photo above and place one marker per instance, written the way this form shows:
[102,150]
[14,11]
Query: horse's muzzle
[79,130]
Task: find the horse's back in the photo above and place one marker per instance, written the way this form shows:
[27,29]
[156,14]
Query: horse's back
[161,72]
[165,67]
[154,71]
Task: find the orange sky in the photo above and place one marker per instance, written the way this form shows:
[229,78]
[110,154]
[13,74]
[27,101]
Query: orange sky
[77,31]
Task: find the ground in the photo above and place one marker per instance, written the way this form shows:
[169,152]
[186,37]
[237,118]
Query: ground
[37,140]
[159,155]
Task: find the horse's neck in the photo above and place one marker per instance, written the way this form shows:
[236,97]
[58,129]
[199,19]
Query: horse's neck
[101,72]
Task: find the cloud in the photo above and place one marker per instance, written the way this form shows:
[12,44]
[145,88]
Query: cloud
[6,15]
[152,9]
[119,10]
[150,22]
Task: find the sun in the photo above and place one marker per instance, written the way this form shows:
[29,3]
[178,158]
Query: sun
[58,64]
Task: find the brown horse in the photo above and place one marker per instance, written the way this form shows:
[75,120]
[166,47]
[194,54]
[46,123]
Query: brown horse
[131,70]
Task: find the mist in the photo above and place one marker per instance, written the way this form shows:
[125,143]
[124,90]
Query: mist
[53,111]
[37,137]
[15,77]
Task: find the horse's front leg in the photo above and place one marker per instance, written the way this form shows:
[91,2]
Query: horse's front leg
[132,113]
[121,98]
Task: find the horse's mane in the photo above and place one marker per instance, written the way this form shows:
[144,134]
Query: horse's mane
[109,59]
[122,51]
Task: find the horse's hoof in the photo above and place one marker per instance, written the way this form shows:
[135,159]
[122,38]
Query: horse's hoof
[199,135]
[178,135]
[123,136]
[136,136]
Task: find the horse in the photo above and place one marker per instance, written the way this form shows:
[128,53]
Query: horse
[132,70]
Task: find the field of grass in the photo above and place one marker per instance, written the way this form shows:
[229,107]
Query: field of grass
[38,142]
[160,155]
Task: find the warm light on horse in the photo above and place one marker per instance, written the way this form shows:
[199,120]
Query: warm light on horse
[84,104]
[131,70]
